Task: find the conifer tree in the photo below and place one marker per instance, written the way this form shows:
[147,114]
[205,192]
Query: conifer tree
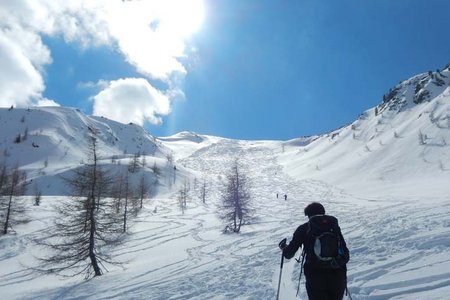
[144,190]
[85,228]
[12,186]
[236,199]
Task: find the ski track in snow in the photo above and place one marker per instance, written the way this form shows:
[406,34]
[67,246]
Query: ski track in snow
[388,249]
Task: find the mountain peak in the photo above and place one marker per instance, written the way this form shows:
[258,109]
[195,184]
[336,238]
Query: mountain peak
[418,89]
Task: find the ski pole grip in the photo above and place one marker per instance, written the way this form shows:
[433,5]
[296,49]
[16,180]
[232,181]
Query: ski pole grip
[282,244]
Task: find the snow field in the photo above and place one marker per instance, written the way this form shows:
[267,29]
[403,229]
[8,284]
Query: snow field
[388,190]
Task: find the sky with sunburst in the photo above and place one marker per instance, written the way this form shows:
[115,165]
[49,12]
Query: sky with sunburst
[246,69]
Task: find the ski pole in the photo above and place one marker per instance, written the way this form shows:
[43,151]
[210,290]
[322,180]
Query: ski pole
[279,279]
[347,292]
[301,270]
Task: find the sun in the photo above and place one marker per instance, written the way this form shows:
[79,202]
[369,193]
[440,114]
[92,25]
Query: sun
[181,18]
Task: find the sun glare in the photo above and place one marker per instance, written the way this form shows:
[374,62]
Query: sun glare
[181,17]
[152,34]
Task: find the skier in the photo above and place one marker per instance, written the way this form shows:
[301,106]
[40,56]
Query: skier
[326,277]
[285,197]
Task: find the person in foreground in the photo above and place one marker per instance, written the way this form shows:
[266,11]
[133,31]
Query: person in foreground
[325,254]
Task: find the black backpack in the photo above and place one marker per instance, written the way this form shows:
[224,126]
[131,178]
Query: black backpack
[325,246]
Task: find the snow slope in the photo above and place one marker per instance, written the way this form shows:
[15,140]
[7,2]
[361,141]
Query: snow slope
[401,146]
[385,184]
[56,142]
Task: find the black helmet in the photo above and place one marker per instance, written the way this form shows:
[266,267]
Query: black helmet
[313,209]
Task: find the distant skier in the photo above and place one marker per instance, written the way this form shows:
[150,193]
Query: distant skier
[285,197]
[277,195]
[326,254]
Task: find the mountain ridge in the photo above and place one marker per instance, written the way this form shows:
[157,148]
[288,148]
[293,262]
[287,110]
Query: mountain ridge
[410,126]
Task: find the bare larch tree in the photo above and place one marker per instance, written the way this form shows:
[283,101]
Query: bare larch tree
[12,185]
[85,226]
[236,199]
[144,190]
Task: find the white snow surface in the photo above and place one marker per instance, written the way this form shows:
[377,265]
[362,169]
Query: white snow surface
[388,187]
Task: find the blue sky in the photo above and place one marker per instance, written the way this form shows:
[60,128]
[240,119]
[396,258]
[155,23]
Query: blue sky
[253,69]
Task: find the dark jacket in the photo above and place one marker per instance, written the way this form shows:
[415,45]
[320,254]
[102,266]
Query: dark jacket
[321,283]
[299,239]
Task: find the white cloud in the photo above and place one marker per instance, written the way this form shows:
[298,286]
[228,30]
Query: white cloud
[22,57]
[132,100]
[149,34]
[91,85]
[154,49]
[46,102]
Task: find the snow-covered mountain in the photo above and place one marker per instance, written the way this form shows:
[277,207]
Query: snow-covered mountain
[385,176]
[401,142]
[48,142]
